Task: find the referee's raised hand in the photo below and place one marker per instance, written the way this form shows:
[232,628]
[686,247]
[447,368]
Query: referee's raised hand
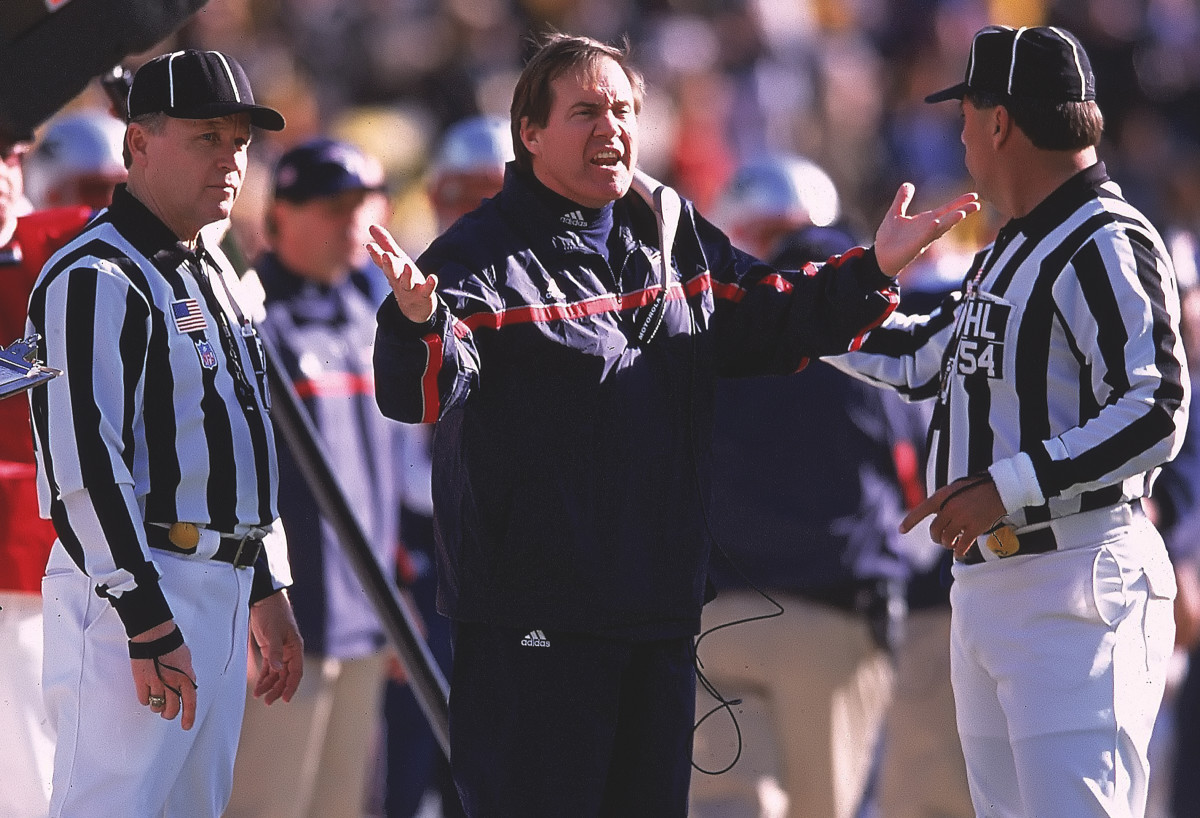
[901,237]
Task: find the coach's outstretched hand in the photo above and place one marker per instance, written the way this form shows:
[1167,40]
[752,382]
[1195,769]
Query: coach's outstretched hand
[414,291]
[902,238]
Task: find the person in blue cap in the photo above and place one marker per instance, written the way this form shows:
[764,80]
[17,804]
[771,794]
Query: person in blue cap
[321,293]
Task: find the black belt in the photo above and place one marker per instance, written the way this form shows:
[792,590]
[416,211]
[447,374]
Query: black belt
[1005,542]
[1002,542]
[240,552]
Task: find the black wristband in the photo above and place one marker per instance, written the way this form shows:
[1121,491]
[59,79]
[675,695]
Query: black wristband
[975,480]
[156,647]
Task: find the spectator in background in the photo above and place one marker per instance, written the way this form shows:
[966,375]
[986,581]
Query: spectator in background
[25,538]
[321,293]
[77,161]
[1174,507]
[812,474]
[468,167]
[71,169]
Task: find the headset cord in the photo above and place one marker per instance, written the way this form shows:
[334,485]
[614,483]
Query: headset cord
[722,703]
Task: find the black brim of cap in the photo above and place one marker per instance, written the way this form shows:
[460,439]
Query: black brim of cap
[953,92]
[260,115]
[322,194]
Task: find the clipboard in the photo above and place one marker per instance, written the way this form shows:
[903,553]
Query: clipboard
[19,370]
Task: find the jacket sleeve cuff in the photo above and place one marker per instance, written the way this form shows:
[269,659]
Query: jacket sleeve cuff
[394,322]
[1016,482]
[870,276]
[143,607]
[272,570]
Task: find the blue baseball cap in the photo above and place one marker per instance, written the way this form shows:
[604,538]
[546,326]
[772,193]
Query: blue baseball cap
[325,167]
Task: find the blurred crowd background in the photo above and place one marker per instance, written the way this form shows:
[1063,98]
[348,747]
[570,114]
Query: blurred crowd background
[839,81]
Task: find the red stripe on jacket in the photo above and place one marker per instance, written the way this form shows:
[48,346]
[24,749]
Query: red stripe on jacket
[335,384]
[540,313]
[429,381]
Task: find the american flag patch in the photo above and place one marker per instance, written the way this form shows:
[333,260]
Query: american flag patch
[188,317]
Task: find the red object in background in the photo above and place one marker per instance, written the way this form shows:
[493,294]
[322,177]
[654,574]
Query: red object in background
[25,538]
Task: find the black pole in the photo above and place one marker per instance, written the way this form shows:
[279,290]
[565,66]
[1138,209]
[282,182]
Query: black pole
[292,420]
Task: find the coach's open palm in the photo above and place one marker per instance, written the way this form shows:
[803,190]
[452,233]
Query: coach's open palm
[902,236]
[414,291]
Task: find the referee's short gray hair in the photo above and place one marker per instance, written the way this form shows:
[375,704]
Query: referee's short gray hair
[154,123]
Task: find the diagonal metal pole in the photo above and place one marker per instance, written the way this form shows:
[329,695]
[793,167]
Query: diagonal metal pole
[291,418]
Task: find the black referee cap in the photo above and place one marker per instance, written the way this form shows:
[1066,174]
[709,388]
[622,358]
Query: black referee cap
[197,85]
[1035,63]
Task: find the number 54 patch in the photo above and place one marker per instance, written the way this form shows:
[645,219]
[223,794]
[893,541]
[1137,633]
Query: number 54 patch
[983,326]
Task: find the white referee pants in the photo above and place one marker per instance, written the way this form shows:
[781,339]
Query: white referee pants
[115,758]
[26,740]
[1058,663]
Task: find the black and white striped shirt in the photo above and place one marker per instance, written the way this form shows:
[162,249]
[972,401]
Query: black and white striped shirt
[149,423]
[1059,367]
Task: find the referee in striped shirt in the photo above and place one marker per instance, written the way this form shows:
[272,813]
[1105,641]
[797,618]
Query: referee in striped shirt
[156,464]
[1061,387]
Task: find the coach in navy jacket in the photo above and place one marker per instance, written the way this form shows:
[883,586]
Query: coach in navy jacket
[567,456]
[571,456]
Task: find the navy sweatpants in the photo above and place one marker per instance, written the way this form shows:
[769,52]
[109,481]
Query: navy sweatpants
[570,724]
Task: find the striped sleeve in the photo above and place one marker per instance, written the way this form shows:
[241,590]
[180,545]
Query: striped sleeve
[95,328]
[906,353]
[1119,303]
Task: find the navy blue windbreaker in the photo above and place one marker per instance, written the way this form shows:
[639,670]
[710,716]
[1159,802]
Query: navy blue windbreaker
[571,463]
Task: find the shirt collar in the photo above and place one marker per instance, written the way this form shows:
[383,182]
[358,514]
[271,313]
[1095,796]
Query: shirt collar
[543,209]
[1062,202]
[148,234]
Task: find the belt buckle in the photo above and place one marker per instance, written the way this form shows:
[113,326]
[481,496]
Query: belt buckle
[1003,542]
[184,536]
[254,535]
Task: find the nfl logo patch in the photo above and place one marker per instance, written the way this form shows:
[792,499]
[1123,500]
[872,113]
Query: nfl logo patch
[208,358]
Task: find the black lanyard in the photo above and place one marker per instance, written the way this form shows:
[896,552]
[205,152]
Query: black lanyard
[198,263]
